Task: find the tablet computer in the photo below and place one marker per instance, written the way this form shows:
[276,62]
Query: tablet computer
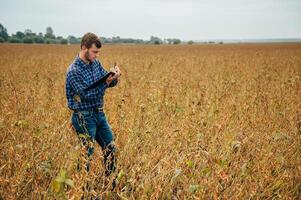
[103,79]
[106,76]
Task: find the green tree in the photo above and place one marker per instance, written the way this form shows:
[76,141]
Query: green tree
[27,40]
[14,39]
[28,32]
[64,41]
[20,35]
[49,33]
[116,39]
[73,40]
[173,41]
[176,41]
[3,33]
[155,40]
[38,39]
[51,41]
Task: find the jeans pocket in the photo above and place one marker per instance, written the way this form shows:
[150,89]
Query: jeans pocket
[102,114]
[82,120]
[76,123]
[86,114]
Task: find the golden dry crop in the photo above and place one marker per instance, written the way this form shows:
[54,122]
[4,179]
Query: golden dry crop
[190,122]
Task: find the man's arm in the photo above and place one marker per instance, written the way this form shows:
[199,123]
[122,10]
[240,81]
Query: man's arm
[82,89]
[97,83]
[113,80]
[113,83]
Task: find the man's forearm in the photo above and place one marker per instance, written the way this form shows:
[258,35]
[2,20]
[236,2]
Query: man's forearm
[113,83]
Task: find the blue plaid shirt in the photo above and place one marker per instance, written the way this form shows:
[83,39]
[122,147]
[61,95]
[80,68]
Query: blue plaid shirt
[79,79]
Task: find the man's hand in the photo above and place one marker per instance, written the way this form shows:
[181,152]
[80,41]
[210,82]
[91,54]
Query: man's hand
[117,74]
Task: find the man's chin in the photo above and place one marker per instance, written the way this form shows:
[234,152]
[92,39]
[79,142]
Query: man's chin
[90,60]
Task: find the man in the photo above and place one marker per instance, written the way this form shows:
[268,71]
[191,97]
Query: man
[85,88]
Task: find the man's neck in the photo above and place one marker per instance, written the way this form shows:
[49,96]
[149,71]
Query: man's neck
[83,58]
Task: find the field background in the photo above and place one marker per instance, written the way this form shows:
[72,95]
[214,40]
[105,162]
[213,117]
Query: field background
[190,122]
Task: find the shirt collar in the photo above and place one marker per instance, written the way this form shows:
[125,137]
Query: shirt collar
[82,63]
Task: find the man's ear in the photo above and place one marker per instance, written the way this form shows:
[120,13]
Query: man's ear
[84,48]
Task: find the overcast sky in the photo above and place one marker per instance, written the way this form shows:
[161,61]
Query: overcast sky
[183,19]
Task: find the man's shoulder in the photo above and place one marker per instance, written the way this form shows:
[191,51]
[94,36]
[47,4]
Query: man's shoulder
[73,68]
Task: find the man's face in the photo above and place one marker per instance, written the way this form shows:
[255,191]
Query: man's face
[91,53]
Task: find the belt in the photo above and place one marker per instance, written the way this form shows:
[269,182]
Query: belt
[98,109]
[92,109]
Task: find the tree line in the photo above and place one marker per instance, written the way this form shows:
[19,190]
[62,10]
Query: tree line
[29,37]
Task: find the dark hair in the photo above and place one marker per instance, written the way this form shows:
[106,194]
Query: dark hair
[89,39]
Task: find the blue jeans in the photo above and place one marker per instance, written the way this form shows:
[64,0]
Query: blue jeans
[91,126]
